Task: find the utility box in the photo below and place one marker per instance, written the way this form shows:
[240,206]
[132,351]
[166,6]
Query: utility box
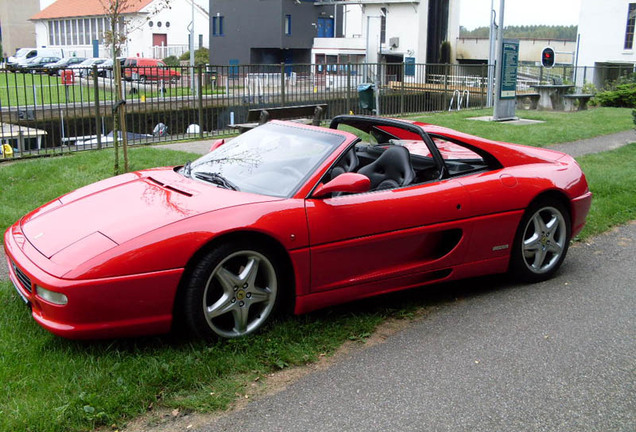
[68,77]
[366,96]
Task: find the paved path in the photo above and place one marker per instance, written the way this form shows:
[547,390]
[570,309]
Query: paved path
[597,144]
[489,356]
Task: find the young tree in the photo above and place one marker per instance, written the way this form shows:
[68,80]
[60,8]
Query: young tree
[120,25]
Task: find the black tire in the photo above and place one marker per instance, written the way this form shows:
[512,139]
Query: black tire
[542,241]
[232,291]
[142,79]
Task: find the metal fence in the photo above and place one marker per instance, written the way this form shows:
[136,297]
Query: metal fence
[56,113]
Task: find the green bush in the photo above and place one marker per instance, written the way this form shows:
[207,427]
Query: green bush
[201,56]
[171,61]
[622,96]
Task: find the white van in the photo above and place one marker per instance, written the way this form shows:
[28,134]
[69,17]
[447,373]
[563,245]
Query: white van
[23,55]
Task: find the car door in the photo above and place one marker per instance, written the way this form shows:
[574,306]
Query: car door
[378,241]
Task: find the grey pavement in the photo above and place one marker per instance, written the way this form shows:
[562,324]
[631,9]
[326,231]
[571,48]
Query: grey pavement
[489,355]
[596,144]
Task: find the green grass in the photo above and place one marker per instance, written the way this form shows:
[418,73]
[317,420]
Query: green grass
[558,127]
[612,179]
[18,89]
[51,384]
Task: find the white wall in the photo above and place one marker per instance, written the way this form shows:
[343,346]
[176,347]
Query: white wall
[602,28]
[404,21]
[140,34]
[529,49]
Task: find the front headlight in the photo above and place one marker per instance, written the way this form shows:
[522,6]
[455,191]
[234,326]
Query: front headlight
[51,296]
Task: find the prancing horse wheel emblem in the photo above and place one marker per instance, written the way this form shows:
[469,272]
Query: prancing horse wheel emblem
[240,295]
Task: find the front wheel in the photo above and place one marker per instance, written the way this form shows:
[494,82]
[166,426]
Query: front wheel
[232,291]
[542,241]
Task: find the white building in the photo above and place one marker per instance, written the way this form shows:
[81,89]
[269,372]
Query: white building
[391,31]
[153,29]
[607,42]
[17,31]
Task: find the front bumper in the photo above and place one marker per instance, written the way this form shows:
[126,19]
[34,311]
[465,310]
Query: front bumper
[131,305]
[580,208]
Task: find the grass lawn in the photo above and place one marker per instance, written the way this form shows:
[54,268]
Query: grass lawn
[558,127]
[52,384]
[19,89]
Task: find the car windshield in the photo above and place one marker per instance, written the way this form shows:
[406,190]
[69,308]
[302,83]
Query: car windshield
[273,159]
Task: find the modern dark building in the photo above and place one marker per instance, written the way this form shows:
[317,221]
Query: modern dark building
[269,31]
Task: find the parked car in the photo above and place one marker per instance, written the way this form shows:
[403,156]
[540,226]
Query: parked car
[106,69]
[288,214]
[84,68]
[55,68]
[24,55]
[147,69]
[38,64]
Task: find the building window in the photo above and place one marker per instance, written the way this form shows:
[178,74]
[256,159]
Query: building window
[93,29]
[631,21]
[383,25]
[288,30]
[217,26]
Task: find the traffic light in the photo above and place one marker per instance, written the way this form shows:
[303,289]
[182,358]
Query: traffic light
[547,57]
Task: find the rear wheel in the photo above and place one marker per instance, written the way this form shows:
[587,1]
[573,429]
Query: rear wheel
[142,79]
[542,241]
[232,291]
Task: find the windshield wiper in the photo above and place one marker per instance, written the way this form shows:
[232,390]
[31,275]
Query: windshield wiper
[216,179]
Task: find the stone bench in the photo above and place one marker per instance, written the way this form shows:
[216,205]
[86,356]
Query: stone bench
[529,99]
[569,101]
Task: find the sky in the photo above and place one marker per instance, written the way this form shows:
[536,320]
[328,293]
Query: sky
[474,13]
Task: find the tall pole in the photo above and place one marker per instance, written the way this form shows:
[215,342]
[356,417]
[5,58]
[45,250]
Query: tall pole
[192,83]
[491,54]
[496,115]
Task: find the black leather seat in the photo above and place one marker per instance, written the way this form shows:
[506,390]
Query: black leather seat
[391,170]
[348,163]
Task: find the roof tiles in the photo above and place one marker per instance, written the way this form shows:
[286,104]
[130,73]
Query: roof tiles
[82,8]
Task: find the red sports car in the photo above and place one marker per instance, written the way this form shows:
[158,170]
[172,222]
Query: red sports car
[297,215]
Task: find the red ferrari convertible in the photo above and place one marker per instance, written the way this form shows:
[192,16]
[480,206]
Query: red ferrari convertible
[297,215]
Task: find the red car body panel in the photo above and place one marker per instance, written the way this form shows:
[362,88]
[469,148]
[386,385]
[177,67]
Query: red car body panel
[120,265]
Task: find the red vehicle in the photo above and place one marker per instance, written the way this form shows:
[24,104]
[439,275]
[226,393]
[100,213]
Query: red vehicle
[147,69]
[288,214]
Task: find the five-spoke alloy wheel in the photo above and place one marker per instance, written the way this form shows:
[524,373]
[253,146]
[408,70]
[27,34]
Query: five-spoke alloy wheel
[232,291]
[542,241]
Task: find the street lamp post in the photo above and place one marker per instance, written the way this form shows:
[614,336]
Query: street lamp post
[192,83]
[491,54]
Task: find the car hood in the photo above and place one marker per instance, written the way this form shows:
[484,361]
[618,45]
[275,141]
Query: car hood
[103,215]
